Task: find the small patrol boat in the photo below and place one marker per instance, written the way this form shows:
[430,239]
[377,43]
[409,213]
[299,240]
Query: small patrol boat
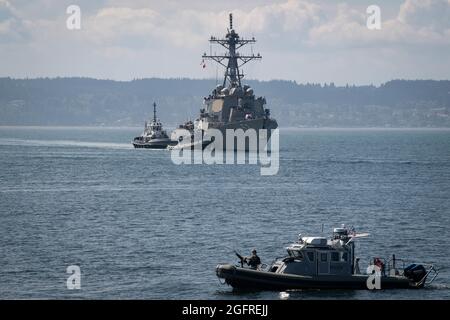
[153,137]
[321,263]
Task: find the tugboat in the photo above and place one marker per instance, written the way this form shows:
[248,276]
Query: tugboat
[231,105]
[153,137]
[321,263]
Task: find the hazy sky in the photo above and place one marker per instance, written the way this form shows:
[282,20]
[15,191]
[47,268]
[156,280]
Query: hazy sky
[302,40]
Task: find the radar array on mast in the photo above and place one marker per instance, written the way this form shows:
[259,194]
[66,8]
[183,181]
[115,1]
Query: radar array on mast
[231,43]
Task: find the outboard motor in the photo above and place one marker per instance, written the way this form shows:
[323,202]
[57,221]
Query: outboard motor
[415,272]
[340,234]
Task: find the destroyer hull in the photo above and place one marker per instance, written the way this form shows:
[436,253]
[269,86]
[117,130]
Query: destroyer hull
[255,124]
[241,278]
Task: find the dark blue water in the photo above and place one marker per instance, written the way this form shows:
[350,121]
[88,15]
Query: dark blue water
[141,227]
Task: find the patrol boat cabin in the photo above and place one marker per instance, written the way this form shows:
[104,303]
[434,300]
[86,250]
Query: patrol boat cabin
[319,256]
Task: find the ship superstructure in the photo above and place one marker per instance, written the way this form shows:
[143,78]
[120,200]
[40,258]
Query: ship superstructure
[232,105]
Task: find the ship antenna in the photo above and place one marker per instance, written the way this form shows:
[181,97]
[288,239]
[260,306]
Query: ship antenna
[217,75]
[232,60]
[154,111]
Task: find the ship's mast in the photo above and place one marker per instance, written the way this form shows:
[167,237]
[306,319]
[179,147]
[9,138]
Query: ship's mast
[154,111]
[231,43]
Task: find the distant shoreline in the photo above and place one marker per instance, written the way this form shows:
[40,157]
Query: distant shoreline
[87,102]
[51,127]
[209,79]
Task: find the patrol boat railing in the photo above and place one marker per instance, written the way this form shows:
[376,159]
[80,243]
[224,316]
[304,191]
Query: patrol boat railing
[431,269]
[393,269]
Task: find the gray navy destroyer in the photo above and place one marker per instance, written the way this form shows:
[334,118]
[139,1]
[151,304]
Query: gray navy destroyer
[321,263]
[231,105]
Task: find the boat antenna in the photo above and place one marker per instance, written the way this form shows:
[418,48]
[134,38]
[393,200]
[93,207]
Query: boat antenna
[217,74]
[154,111]
[232,60]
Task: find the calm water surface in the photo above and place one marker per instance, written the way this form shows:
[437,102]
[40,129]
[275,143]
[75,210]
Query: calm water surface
[141,227]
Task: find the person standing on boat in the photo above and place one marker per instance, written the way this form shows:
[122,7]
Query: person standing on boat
[253,261]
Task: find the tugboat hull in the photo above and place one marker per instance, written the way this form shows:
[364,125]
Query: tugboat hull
[242,278]
[153,144]
[149,146]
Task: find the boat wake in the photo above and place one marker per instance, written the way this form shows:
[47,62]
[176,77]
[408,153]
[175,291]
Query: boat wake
[64,143]
[438,286]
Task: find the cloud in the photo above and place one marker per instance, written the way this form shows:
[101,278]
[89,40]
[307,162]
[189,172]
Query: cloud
[293,23]
[188,27]
[12,27]
[291,16]
[137,26]
[429,14]
[124,38]
[422,23]
[115,24]
[419,23]
[347,26]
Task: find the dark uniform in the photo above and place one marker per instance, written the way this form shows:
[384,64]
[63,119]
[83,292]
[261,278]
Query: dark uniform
[253,261]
